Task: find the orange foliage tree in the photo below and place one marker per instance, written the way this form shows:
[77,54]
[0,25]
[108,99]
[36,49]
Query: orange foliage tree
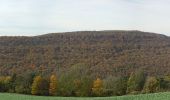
[97,89]
[53,85]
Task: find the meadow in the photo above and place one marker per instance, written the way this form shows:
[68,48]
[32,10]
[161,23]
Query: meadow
[155,96]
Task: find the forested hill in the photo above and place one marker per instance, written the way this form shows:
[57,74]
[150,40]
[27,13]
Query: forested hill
[100,52]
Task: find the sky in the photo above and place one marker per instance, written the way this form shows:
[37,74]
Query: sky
[35,17]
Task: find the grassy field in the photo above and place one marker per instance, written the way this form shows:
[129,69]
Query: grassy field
[156,96]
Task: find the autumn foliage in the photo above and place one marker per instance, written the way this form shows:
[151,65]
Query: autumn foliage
[97,87]
[36,85]
[53,85]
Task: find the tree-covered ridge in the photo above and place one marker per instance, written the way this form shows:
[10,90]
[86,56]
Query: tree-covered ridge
[105,53]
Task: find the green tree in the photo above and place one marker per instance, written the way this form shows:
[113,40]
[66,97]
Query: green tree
[165,83]
[115,86]
[12,83]
[24,82]
[5,83]
[66,85]
[83,86]
[76,82]
[135,82]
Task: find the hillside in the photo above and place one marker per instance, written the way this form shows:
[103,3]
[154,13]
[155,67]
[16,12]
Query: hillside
[104,52]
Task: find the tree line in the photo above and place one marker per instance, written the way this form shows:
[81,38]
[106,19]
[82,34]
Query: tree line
[69,84]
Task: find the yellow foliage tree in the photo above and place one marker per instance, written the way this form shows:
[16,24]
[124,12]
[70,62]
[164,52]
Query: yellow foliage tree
[97,87]
[5,79]
[35,89]
[152,85]
[53,85]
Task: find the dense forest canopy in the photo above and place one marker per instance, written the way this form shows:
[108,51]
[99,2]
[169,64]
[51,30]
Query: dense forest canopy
[104,53]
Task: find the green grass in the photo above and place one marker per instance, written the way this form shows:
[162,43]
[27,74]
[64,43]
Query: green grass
[156,96]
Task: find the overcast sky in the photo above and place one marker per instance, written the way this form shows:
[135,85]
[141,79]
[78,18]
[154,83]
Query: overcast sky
[34,17]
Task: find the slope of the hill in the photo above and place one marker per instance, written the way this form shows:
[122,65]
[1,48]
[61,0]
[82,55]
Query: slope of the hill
[105,52]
